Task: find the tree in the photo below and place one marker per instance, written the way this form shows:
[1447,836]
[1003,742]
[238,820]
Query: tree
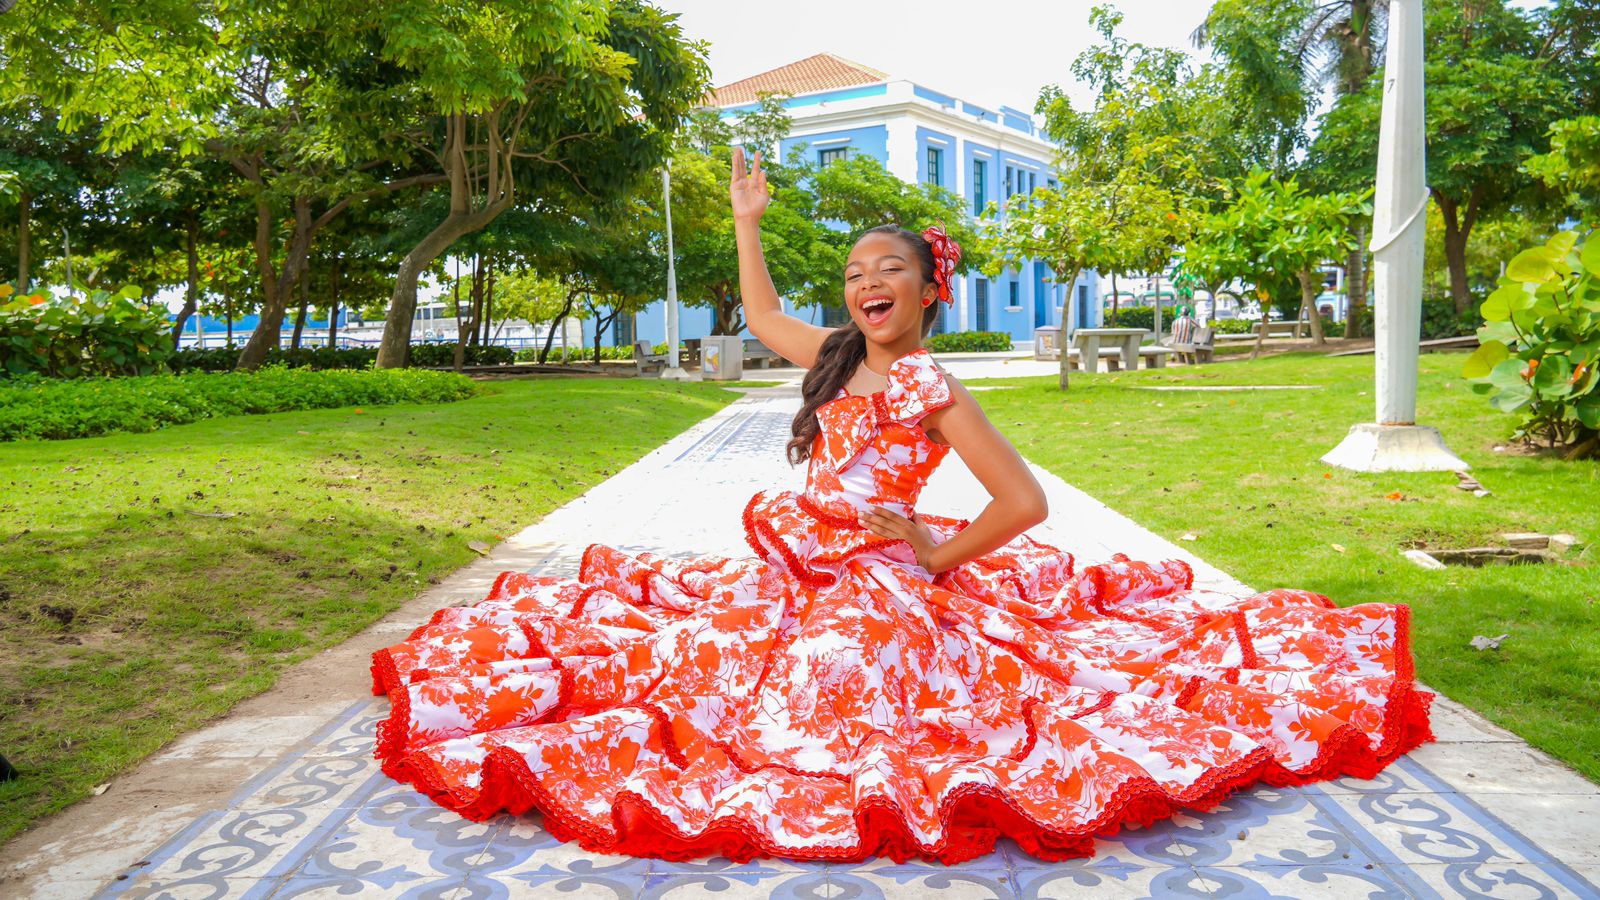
[1263,45]
[1572,167]
[1136,167]
[1119,226]
[859,194]
[49,168]
[1272,231]
[302,111]
[799,252]
[1497,79]
[573,104]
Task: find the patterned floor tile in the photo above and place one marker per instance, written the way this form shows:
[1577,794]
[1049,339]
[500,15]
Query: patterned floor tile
[368,889]
[1412,834]
[946,883]
[785,886]
[1066,882]
[322,781]
[1268,828]
[521,849]
[485,886]
[1365,882]
[1505,881]
[398,841]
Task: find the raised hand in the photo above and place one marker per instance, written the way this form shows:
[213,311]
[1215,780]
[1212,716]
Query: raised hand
[748,190]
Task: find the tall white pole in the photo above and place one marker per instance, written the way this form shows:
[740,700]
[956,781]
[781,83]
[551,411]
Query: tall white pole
[1398,219]
[673,370]
[1395,442]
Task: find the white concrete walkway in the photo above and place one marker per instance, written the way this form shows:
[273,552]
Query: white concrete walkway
[282,798]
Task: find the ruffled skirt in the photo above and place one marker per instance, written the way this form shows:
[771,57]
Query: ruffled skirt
[825,699]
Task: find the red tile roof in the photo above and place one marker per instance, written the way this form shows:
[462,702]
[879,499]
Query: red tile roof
[823,72]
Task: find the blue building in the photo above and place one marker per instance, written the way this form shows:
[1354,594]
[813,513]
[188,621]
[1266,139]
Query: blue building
[841,109]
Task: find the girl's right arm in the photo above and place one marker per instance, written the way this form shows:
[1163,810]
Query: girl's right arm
[788,336]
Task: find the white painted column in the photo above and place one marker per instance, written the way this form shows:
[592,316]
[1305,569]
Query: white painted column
[1395,442]
[902,148]
[1398,221]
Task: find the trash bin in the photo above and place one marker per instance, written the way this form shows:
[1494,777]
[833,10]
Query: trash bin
[1047,342]
[722,357]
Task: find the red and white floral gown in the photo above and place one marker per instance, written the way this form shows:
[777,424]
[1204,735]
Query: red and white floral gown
[828,699]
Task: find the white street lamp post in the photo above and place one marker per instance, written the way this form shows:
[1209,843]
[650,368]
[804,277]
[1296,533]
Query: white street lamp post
[673,370]
[1395,442]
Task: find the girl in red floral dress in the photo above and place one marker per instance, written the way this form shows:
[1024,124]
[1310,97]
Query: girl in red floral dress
[875,679]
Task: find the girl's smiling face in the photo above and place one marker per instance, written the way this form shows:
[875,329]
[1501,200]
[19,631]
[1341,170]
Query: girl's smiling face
[884,288]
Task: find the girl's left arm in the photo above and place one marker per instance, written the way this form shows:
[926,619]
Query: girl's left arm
[1017,501]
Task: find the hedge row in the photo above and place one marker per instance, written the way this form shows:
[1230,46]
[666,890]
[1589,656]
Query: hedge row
[222,359]
[33,408]
[968,342]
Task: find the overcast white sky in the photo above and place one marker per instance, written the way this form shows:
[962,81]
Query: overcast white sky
[986,51]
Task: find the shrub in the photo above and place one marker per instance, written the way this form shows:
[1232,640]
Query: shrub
[1135,317]
[445,355]
[1539,353]
[101,334]
[1230,326]
[968,342]
[222,359]
[34,408]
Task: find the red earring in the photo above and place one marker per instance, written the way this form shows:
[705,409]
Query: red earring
[927,301]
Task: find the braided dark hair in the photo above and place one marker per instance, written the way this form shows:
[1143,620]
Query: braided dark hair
[845,349]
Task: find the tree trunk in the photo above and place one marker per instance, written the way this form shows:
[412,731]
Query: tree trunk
[550,338]
[476,306]
[726,307]
[24,240]
[488,303]
[462,220]
[1115,301]
[463,321]
[600,325]
[191,298]
[227,308]
[1355,282]
[277,286]
[300,314]
[1263,301]
[1457,229]
[334,287]
[1309,283]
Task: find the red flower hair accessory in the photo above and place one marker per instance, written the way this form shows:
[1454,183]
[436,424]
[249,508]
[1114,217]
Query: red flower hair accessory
[946,256]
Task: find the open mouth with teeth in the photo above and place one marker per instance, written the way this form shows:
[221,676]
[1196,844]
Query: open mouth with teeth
[876,310]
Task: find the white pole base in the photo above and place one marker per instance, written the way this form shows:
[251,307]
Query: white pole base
[1394,448]
[676,373]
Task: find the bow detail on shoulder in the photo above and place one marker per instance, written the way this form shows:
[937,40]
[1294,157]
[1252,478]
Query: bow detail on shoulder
[850,422]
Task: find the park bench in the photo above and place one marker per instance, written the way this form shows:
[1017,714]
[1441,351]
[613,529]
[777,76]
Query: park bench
[1111,356]
[645,362]
[1119,346]
[758,354]
[1198,350]
[1155,357]
[1280,329]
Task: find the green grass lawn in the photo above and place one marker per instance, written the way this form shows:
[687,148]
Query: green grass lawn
[1240,471]
[150,581]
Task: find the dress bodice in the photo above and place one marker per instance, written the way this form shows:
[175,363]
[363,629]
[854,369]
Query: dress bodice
[871,449]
